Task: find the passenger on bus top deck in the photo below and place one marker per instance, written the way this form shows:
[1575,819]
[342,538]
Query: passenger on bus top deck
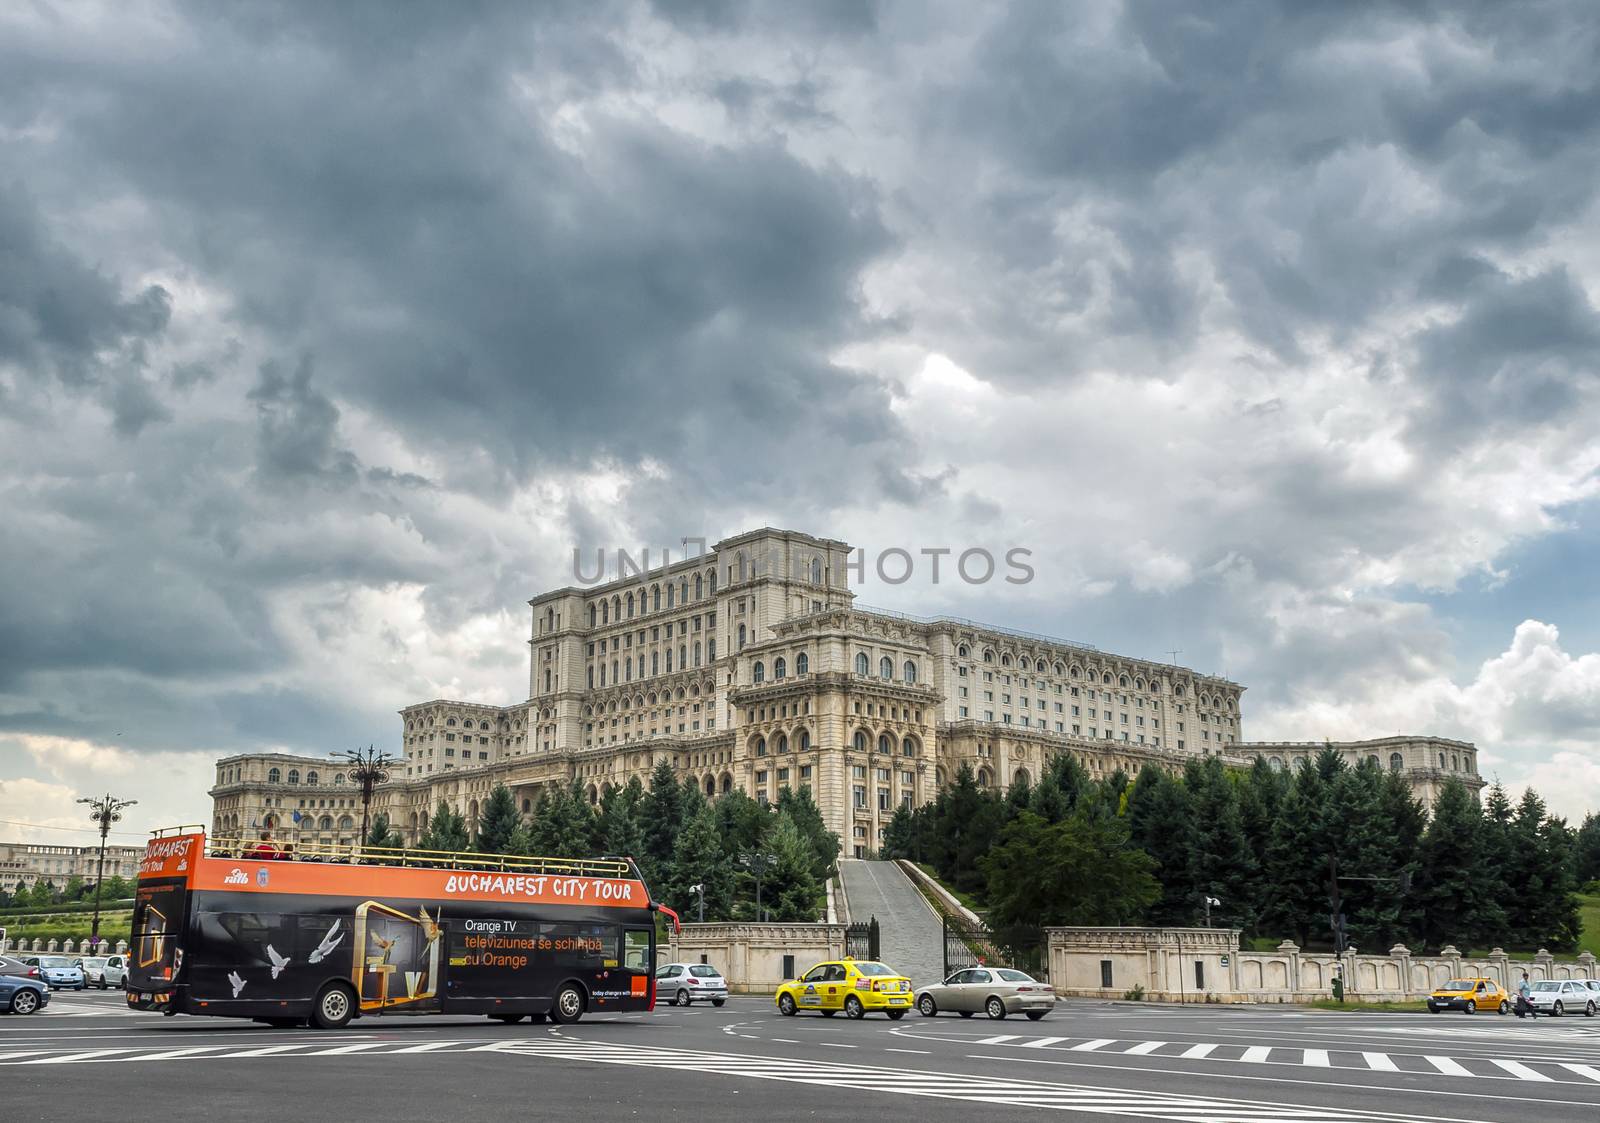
[265,850]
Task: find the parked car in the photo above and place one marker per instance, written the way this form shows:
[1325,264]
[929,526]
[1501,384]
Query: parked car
[995,991]
[20,994]
[58,971]
[1557,997]
[104,971]
[1469,996]
[848,985]
[11,965]
[682,983]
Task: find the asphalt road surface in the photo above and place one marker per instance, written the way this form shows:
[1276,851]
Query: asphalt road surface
[1087,1060]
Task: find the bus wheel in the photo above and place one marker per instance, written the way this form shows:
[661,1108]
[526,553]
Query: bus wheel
[569,1005]
[335,1007]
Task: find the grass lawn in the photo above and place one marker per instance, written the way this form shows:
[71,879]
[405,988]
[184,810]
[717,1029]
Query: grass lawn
[1417,1007]
[966,899]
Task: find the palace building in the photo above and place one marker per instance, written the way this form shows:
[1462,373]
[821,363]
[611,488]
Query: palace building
[751,668]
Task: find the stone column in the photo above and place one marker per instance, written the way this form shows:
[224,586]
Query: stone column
[1292,950]
[1503,965]
[1546,962]
[1587,962]
[1402,956]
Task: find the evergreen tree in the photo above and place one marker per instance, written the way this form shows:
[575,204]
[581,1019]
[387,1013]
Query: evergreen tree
[699,859]
[803,812]
[897,834]
[446,830]
[498,822]
[662,819]
[1295,898]
[790,890]
[1222,866]
[619,829]
[42,894]
[564,825]
[1407,821]
[1586,850]
[1524,881]
[742,822]
[116,888]
[1081,870]
[1556,923]
[1161,823]
[1458,906]
[381,834]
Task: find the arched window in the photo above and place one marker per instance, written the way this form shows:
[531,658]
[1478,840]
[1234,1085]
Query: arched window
[1441,760]
[886,667]
[1123,681]
[338,777]
[1373,760]
[1020,778]
[1023,664]
[780,667]
[1396,762]
[630,606]
[863,665]
[1005,660]
[593,613]
[743,566]
[782,743]
[450,721]
[816,571]
[988,656]
[669,661]
[294,775]
[741,637]
[908,747]
[1275,763]
[683,657]
[325,823]
[983,777]
[761,746]
[962,652]
[346,822]
[311,777]
[697,653]
[802,664]
[805,740]
[274,776]
[758,673]
[860,741]
[910,670]
[885,746]
[699,591]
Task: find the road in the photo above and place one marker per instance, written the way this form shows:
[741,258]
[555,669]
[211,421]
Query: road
[1088,1060]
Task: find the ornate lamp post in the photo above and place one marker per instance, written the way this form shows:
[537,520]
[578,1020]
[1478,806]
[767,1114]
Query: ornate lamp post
[758,862]
[367,768]
[105,811]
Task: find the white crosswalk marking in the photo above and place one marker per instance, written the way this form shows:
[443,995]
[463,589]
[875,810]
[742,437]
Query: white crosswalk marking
[1042,1042]
[1196,1052]
[1144,1047]
[1380,1062]
[1091,1046]
[358,1047]
[70,1058]
[1317,1058]
[1256,1054]
[268,1050]
[1447,1066]
[998,1039]
[428,1047]
[1582,1070]
[173,1054]
[1520,1071]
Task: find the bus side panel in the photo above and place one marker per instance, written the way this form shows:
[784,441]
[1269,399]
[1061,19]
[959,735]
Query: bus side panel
[252,956]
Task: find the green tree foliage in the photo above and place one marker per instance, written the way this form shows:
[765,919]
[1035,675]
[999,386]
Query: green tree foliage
[1586,850]
[790,889]
[380,833]
[662,820]
[1458,902]
[1161,822]
[565,824]
[1082,870]
[802,810]
[621,834]
[699,858]
[446,830]
[499,823]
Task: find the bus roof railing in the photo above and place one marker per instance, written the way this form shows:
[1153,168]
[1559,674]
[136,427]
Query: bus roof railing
[239,846]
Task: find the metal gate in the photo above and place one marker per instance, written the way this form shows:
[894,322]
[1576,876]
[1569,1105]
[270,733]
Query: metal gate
[861,941]
[973,945]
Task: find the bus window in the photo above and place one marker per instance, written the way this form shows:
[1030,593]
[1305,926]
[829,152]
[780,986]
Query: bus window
[636,950]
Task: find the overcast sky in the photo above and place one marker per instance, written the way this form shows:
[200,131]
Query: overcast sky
[328,330]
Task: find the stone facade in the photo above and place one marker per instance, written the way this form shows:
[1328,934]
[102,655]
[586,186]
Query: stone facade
[756,958]
[1206,965]
[1426,762]
[750,667]
[23,863]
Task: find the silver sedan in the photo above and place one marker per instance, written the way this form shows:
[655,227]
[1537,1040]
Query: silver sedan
[995,991]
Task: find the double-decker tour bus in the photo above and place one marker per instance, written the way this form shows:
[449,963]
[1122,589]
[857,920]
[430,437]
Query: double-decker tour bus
[326,936]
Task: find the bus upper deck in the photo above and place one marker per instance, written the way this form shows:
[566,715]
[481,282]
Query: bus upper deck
[234,928]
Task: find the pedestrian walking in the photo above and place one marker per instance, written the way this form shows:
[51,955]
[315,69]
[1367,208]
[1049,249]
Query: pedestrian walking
[1525,1007]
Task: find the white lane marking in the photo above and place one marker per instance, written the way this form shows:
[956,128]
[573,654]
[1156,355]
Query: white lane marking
[1447,1066]
[341,1050]
[1520,1070]
[1195,1052]
[19,1056]
[1257,1054]
[1317,1058]
[70,1057]
[786,1040]
[837,1045]
[998,1039]
[1041,1042]
[428,1047]
[1582,1070]
[269,1050]
[173,1054]
[1091,1046]
[1380,1062]
[919,1052]
[1144,1048]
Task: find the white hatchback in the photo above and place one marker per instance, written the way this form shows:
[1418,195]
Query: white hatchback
[683,983]
[105,971]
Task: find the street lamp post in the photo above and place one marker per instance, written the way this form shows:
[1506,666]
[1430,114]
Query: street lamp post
[105,811]
[700,889]
[368,768]
[758,862]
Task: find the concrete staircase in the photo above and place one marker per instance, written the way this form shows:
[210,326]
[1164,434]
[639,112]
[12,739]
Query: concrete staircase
[912,936]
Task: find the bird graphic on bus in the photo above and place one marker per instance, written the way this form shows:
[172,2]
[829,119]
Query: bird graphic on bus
[236,982]
[279,962]
[430,927]
[329,942]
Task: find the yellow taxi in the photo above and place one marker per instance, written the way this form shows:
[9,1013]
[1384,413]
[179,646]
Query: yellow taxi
[854,986]
[1469,995]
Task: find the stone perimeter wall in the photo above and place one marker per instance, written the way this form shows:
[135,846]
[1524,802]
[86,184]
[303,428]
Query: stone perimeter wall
[750,956]
[64,947]
[1164,962]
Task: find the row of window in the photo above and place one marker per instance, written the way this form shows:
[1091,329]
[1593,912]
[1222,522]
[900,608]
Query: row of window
[275,776]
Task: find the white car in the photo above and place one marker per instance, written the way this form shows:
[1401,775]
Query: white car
[105,971]
[682,983]
[1554,997]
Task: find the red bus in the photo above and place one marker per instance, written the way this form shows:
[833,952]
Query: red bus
[326,937]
